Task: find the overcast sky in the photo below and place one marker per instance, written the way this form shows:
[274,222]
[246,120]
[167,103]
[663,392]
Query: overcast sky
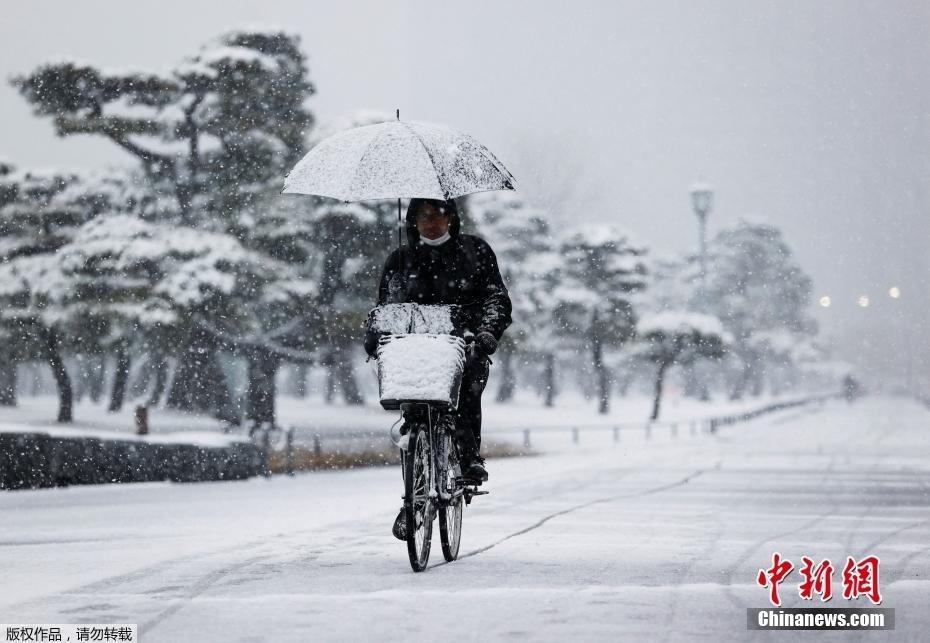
[813,115]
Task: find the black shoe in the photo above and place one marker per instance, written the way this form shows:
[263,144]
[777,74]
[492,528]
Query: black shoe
[400,525]
[475,470]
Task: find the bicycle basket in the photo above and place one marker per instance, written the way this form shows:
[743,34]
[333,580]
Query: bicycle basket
[420,368]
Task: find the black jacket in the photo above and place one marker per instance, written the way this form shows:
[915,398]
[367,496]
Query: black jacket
[462,271]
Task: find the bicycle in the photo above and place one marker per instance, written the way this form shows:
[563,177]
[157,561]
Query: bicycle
[424,384]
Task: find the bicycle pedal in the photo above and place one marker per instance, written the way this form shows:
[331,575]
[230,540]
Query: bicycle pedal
[471,492]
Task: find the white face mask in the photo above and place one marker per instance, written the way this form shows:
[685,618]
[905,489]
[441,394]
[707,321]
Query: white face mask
[438,241]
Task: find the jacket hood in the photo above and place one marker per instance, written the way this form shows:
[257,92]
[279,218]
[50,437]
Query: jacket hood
[413,236]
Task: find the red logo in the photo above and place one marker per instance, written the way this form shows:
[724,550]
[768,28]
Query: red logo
[859,579]
[817,580]
[774,575]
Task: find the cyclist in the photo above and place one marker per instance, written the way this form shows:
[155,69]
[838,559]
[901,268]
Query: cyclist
[443,266]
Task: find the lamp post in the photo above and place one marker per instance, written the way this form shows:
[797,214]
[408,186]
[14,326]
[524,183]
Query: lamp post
[702,199]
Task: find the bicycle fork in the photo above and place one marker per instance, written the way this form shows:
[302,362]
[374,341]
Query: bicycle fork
[434,461]
[432,451]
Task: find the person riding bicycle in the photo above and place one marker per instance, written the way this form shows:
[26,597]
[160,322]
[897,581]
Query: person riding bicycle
[441,265]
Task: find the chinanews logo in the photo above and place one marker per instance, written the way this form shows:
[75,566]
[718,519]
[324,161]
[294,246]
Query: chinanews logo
[860,580]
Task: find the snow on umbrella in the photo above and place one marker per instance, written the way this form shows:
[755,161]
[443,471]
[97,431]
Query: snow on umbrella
[398,159]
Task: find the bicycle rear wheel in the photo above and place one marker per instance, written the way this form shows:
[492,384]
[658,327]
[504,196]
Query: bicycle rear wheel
[450,516]
[418,506]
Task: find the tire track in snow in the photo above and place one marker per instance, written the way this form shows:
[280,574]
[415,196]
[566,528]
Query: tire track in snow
[117,583]
[539,523]
[213,577]
[685,572]
[890,427]
[903,565]
[867,549]
[198,588]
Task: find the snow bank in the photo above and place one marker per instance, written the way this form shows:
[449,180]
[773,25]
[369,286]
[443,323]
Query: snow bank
[420,367]
[191,438]
[36,457]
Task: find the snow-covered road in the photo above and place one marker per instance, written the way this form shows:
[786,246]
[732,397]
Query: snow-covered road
[656,540]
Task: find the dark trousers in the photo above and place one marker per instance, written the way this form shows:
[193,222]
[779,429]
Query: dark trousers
[468,415]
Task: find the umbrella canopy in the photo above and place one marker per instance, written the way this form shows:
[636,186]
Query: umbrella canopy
[398,159]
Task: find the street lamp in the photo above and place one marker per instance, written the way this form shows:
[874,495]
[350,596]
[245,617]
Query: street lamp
[702,199]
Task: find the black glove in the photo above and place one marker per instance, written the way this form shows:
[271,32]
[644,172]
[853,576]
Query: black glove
[485,343]
[371,343]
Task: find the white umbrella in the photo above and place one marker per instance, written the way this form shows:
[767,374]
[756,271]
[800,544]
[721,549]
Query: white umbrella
[398,159]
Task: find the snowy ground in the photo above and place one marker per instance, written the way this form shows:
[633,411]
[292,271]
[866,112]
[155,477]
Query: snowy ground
[655,540]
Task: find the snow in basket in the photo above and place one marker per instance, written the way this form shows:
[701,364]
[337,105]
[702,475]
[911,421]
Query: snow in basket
[397,319]
[421,367]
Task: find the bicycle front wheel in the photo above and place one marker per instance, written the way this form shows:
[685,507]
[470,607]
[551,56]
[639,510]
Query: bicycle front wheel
[418,506]
[450,515]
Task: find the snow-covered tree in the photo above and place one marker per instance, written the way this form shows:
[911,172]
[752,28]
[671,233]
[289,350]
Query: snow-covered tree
[41,211]
[347,237]
[593,300]
[522,241]
[210,132]
[161,282]
[677,337]
[30,288]
[778,349]
[213,135]
[339,248]
[674,285]
[758,291]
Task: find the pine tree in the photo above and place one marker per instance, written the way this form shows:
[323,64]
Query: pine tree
[756,288]
[41,211]
[676,337]
[211,133]
[337,249]
[213,136]
[522,241]
[593,301]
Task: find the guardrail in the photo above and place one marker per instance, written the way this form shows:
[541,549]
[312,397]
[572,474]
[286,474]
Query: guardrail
[694,426]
